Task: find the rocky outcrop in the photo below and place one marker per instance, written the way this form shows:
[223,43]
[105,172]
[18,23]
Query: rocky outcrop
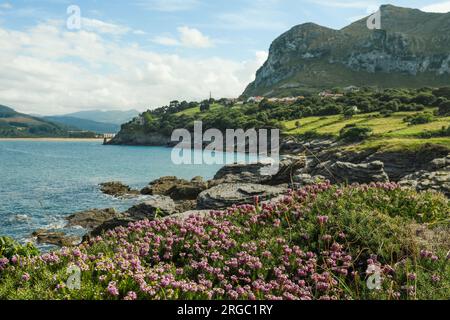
[259,173]
[56,238]
[345,172]
[410,47]
[228,194]
[117,189]
[437,178]
[91,219]
[423,180]
[158,206]
[177,189]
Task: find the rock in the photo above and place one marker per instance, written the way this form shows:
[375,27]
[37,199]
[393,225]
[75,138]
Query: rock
[177,189]
[158,206]
[91,219]
[117,189]
[185,205]
[440,164]
[345,172]
[226,195]
[187,214]
[110,225]
[424,180]
[56,238]
[303,179]
[257,173]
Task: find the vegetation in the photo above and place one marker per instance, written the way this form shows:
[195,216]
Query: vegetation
[321,242]
[386,115]
[19,125]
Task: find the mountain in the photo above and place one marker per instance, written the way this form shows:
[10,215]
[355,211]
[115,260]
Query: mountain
[412,49]
[83,124]
[16,125]
[110,117]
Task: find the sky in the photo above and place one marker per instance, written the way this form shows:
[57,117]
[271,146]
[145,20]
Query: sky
[61,56]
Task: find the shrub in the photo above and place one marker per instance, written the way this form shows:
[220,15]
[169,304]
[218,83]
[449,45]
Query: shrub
[9,247]
[444,108]
[353,133]
[420,118]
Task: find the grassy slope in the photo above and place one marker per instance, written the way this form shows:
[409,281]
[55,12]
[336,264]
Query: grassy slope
[391,131]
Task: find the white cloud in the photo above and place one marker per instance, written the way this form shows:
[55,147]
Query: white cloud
[104,27]
[440,7]
[168,5]
[49,70]
[166,41]
[193,38]
[188,37]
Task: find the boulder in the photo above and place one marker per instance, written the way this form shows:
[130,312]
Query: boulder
[258,173]
[109,225]
[346,172]
[158,206]
[424,180]
[56,238]
[226,195]
[185,205]
[91,219]
[117,189]
[177,189]
[301,180]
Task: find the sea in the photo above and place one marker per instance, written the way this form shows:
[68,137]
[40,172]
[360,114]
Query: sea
[43,182]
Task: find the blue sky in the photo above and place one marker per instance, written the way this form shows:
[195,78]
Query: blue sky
[142,53]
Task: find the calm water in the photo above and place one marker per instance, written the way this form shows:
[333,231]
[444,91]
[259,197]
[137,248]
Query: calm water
[42,182]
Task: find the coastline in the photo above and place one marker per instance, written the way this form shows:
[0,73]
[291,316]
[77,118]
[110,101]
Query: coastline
[53,139]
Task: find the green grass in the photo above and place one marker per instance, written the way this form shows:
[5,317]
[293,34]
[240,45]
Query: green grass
[388,132]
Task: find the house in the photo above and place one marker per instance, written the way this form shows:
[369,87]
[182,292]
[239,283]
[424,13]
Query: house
[257,99]
[328,94]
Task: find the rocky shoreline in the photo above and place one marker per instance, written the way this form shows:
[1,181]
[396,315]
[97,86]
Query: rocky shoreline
[303,164]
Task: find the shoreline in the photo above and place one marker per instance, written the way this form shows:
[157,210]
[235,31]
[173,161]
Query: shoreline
[54,139]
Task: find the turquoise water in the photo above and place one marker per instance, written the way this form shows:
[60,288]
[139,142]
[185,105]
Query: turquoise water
[43,182]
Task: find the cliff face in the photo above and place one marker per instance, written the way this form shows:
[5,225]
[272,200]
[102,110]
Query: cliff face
[412,49]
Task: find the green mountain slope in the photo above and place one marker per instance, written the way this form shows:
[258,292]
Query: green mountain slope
[16,125]
[114,117]
[412,49]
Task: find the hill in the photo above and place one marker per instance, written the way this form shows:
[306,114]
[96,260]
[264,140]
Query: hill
[411,50]
[394,118]
[110,117]
[19,125]
[86,125]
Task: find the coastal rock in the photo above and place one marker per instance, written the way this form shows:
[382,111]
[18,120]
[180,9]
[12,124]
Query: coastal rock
[56,238]
[423,180]
[345,172]
[117,189]
[177,189]
[226,195]
[185,205]
[259,173]
[158,206]
[109,225]
[303,179]
[91,219]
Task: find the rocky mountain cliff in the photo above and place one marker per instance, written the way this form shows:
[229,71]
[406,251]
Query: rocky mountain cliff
[412,49]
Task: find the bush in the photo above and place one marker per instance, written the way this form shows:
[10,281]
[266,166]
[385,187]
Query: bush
[10,248]
[353,133]
[420,118]
[444,108]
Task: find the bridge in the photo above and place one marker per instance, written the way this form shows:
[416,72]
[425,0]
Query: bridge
[108,137]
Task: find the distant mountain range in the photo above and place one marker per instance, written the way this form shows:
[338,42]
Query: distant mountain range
[83,124]
[109,117]
[412,49]
[14,124]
